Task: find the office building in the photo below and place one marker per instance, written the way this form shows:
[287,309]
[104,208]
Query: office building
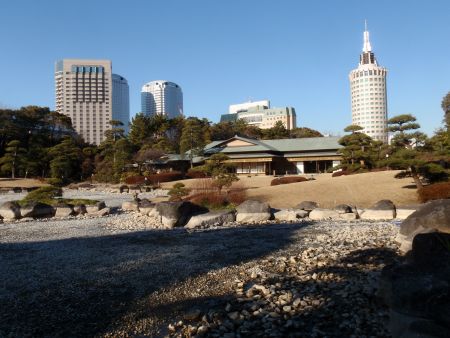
[261,115]
[121,101]
[84,93]
[162,98]
[369,95]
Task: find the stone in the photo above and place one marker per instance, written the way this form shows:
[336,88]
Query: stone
[253,211]
[10,210]
[17,190]
[431,217]
[177,214]
[431,251]
[348,216]
[210,219]
[404,213]
[130,206]
[80,209]
[343,208]
[37,210]
[384,205]
[124,188]
[319,214]
[290,214]
[91,209]
[307,205]
[253,206]
[102,212]
[373,214]
[192,314]
[64,210]
[145,206]
[252,217]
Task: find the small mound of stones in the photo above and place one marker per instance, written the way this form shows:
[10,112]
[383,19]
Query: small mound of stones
[326,289]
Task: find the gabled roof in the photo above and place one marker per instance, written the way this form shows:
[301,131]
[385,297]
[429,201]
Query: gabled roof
[279,145]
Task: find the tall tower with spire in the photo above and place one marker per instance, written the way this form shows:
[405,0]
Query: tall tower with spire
[369,95]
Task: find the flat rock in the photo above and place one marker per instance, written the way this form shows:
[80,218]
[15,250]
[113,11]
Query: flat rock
[373,214]
[92,209]
[243,217]
[10,210]
[177,213]
[64,210]
[130,206]
[319,214]
[211,219]
[404,213]
[349,216]
[290,214]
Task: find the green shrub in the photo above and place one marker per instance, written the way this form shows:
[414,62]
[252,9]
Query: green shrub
[43,194]
[287,180]
[178,191]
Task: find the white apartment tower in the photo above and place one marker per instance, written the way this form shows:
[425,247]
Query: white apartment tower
[368,89]
[162,98]
[84,93]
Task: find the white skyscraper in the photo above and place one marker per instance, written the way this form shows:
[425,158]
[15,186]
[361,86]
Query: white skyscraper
[121,100]
[368,92]
[162,98]
[83,92]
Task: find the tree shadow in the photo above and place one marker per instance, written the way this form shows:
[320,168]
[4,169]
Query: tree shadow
[85,286]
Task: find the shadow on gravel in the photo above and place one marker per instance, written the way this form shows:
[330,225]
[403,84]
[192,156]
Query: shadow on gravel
[334,303]
[82,286]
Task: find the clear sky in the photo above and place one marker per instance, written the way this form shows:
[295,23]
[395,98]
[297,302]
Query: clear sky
[295,53]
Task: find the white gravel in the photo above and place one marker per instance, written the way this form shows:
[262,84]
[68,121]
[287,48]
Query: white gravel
[106,277]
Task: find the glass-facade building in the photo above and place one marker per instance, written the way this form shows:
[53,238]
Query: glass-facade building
[121,101]
[162,98]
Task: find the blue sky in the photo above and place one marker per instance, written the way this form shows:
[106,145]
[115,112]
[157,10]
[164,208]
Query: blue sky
[295,53]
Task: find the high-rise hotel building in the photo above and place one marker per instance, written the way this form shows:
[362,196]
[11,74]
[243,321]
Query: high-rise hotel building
[368,91]
[162,98]
[84,92]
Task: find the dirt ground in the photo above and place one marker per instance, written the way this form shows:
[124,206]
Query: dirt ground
[20,182]
[361,190]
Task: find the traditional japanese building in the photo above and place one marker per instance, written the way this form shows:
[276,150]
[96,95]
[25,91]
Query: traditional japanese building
[279,157]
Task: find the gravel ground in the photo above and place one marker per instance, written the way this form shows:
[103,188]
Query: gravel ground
[92,277]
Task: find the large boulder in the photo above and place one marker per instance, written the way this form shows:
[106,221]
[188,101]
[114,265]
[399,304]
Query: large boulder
[10,210]
[177,214]
[307,205]
[130,206]
[320,214]
[94,208]
[287,215]
[37,210]
[64,210]
[433,216]
[419,288]
[213,218]
[253,211]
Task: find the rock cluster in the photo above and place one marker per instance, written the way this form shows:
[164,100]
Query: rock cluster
[326,289]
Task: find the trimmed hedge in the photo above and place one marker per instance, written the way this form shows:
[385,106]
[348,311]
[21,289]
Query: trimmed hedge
[165,177]
[340,173]
[434,192]
[192,173]
[288,180]
[43,195]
